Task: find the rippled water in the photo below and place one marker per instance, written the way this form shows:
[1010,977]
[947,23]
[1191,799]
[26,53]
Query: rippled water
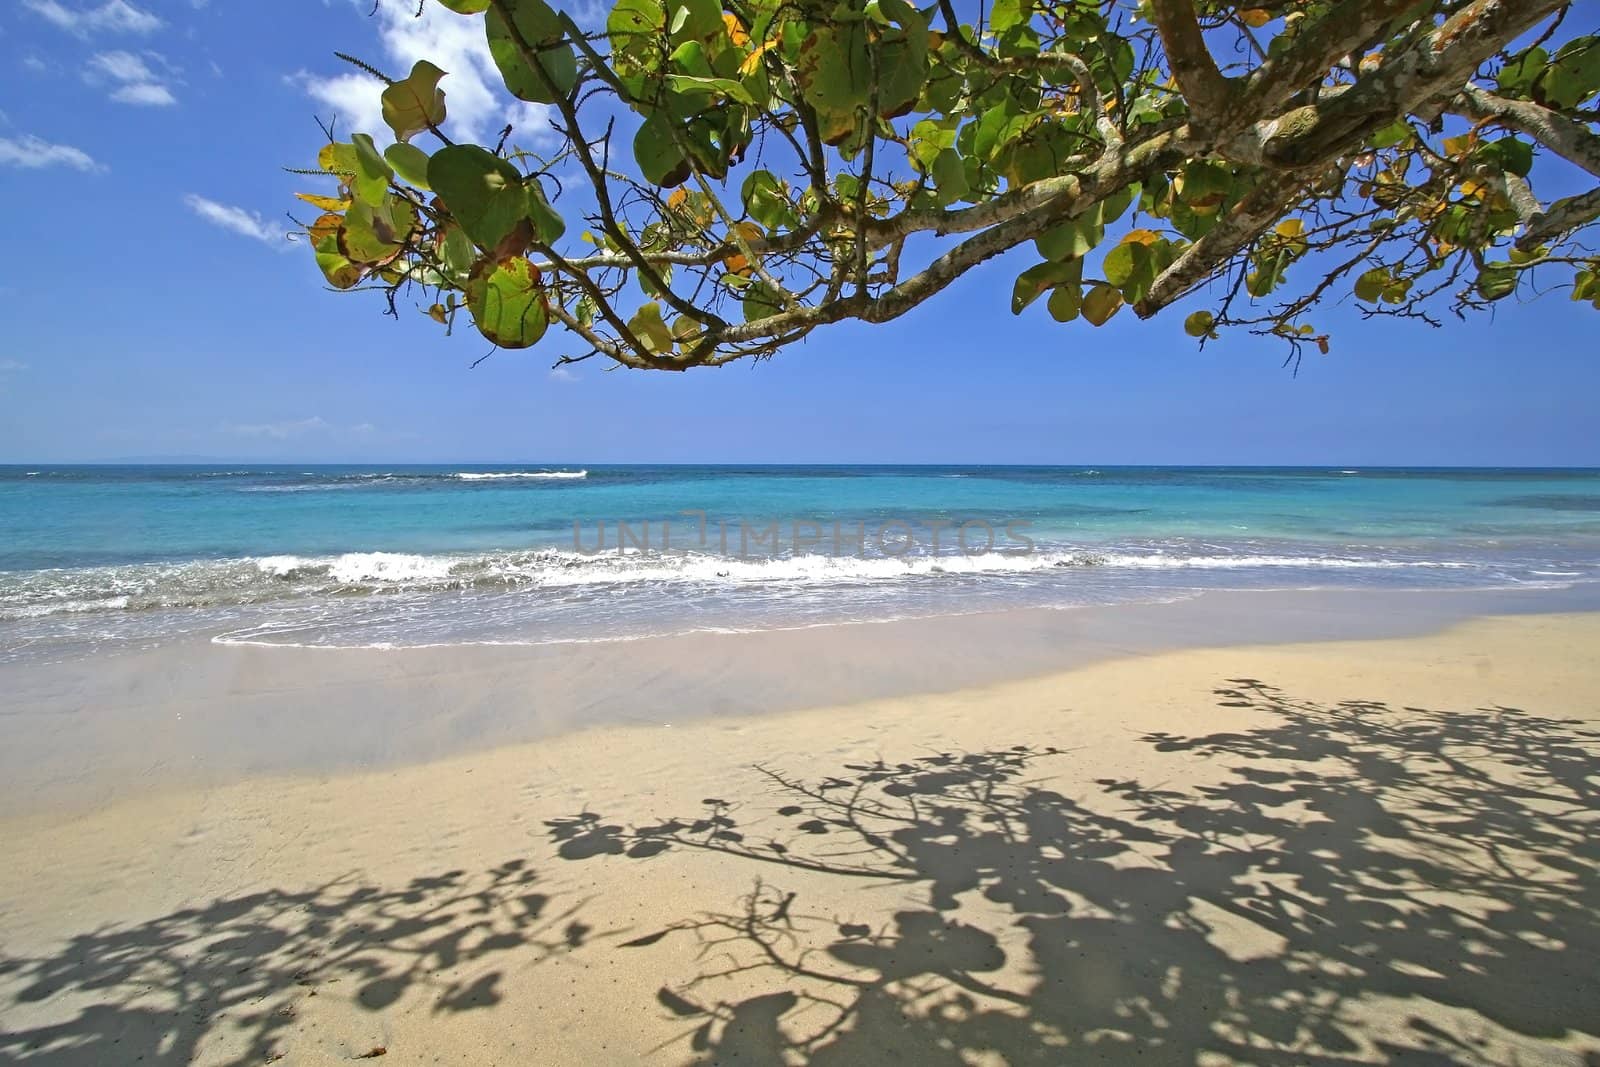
[396,556]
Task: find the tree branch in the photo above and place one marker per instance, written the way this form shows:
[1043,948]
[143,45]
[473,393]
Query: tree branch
[1208,93]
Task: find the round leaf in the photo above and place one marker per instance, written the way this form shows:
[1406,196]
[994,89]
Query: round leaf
[507,302]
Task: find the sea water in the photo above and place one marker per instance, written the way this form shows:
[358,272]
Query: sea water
[105,557]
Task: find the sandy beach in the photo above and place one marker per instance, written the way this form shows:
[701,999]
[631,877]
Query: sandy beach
[1336,851]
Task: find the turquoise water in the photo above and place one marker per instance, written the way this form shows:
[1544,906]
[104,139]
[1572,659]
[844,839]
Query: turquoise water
[395,556]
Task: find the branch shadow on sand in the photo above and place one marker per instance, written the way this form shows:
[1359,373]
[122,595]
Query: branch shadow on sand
[1360,883]
[229,981]
[1343,883]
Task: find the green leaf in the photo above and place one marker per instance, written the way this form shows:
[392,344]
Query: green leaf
[1033,282]
[1573,74]
[1370,286]
[660,159]
[1510,155]
[1122,261]
[835,76]
[949,175]
[540,28]
[410,162]
[482,191]
[727,87]
[1199,324]
[1074,238]
[1516,77]
[507,302]
[375,235]
[1009,13]
[340,272]
[760,302]
[414,103]
[466,7]
[1065,302]
[547,224]
[765,200]
[648,326]
[457,251]
[1391,135]
[370,180]
[1496,281]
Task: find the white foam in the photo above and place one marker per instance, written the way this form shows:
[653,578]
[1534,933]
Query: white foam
[355,567]
[477,476]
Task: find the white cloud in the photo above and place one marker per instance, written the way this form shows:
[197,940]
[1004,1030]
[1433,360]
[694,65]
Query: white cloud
[237,219]
[8,365]
[32,153]
[280,431]
[475,98]
[122,67]
[114,16]
[145,95]
[562,374]
[314,426]
[138,84]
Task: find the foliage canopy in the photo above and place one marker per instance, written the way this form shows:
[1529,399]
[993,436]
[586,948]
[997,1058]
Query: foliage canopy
[752,170]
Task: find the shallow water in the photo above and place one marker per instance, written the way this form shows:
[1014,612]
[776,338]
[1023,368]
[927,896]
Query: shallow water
[349,556]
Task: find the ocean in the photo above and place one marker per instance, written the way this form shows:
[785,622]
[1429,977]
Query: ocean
[97,558]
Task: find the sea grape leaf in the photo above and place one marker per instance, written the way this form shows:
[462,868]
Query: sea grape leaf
[409,162]
[648,326]
[540,28]
[660,159]
[484,192]
[1101,303]
[340,272]
[414,103]
[507,302]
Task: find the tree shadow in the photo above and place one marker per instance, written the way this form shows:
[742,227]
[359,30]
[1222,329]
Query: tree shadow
[228,979]
[1363,883]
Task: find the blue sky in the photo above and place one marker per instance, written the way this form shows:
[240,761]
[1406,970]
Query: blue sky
[154,308]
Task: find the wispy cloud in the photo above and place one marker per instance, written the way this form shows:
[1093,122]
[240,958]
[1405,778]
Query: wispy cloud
[10,365]
[475,99]
[236,219]
[145,94]
[114,16]
[280,431]
[135,82]
[33,153]
[562,374]
[312,427]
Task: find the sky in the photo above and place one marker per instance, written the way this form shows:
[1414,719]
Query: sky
[156,311]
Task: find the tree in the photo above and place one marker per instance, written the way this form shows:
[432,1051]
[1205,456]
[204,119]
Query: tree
[797,163]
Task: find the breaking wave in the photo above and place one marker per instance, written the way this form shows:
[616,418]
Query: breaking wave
[255,580]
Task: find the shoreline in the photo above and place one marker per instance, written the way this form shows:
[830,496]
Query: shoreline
[1353,849]
[82,733]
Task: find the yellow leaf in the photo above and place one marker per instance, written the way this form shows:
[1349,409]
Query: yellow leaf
[752,62]
[1456,147]
[1101,303]
[326,203]
[1473,189]
[737,263]
[437,314]
[736,32]
[1254,17]
[1143,237]
[1291,228]
[325,226]
[677,199]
